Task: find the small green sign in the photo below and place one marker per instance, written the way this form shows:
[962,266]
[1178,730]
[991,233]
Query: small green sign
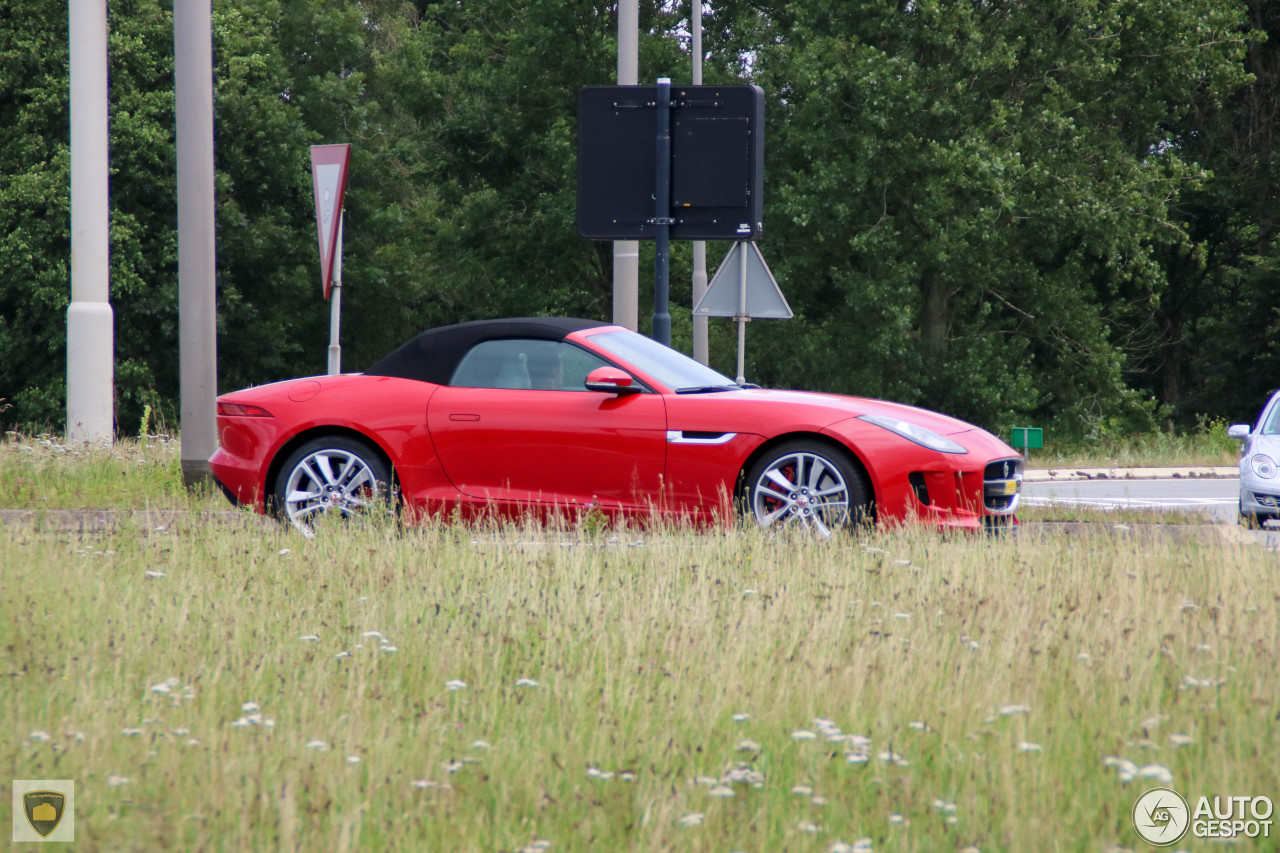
[1028,437]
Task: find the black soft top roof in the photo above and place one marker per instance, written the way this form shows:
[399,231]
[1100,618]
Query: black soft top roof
[433,355]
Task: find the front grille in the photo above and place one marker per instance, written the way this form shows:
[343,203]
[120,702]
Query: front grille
[1001,485]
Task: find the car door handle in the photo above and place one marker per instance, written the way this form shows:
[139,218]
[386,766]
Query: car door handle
[461,416]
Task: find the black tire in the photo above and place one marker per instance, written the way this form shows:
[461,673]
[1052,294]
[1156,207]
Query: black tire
[332,476]
[806,484]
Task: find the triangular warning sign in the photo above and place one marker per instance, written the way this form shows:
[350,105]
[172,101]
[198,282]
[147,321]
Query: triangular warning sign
[744,282]
[329,183]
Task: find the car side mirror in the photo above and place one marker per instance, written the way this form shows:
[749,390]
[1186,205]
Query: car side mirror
[1238,431]
[611,380]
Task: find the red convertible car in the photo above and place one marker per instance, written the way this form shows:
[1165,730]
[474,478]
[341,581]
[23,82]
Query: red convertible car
[553,415]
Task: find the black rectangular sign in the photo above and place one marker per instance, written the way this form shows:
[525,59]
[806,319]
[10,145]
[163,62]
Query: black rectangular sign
[717,162]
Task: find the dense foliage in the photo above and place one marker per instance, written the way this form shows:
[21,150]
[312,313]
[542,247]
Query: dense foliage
[1059,214]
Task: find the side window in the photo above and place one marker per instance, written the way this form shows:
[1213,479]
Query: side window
[519,363]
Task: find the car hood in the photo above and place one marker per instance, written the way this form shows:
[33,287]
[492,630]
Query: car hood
[770,412]
[1259,443]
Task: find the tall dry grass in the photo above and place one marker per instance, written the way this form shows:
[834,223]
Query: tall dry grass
[454,688]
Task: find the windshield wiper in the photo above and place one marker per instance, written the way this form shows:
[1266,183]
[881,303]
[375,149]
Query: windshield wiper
[706,389]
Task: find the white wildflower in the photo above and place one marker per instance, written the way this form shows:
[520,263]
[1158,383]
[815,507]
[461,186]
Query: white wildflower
[1125,769]
[1157,772]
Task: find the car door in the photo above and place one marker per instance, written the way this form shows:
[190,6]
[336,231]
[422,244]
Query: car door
[517,425]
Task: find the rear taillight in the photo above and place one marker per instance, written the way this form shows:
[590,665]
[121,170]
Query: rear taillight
[241,410]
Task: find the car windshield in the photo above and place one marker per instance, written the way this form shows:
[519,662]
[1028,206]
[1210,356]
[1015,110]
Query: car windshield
[1272,425]
[673,369]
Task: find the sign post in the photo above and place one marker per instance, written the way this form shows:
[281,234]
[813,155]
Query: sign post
[329,164]
[335,309]
[662,217]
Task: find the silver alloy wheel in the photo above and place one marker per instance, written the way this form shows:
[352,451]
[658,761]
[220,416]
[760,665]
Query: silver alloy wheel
[801,489]
[329,480]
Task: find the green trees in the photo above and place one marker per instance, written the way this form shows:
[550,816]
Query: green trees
[978,193]
[1059,212]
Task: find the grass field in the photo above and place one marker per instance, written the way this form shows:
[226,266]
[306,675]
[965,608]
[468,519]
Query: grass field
[225,684]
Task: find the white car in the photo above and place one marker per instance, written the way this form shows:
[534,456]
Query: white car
[1259,483]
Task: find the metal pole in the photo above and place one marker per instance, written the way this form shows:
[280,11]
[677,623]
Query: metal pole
[701,350]
[90,321]
[662,218]
[742,317]
[335,306]
[626,253]
[197,332]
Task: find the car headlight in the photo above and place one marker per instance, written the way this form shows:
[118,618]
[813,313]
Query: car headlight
[921,436]
[1264,466]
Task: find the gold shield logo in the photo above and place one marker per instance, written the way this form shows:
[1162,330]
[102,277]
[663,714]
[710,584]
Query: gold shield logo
[44,810]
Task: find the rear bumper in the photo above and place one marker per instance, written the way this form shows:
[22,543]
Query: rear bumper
[237,480]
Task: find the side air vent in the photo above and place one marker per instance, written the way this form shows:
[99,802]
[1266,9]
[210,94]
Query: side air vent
[916,479]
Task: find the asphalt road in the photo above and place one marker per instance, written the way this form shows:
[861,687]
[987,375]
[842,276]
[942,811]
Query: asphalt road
[1218,498]
[1215,497]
